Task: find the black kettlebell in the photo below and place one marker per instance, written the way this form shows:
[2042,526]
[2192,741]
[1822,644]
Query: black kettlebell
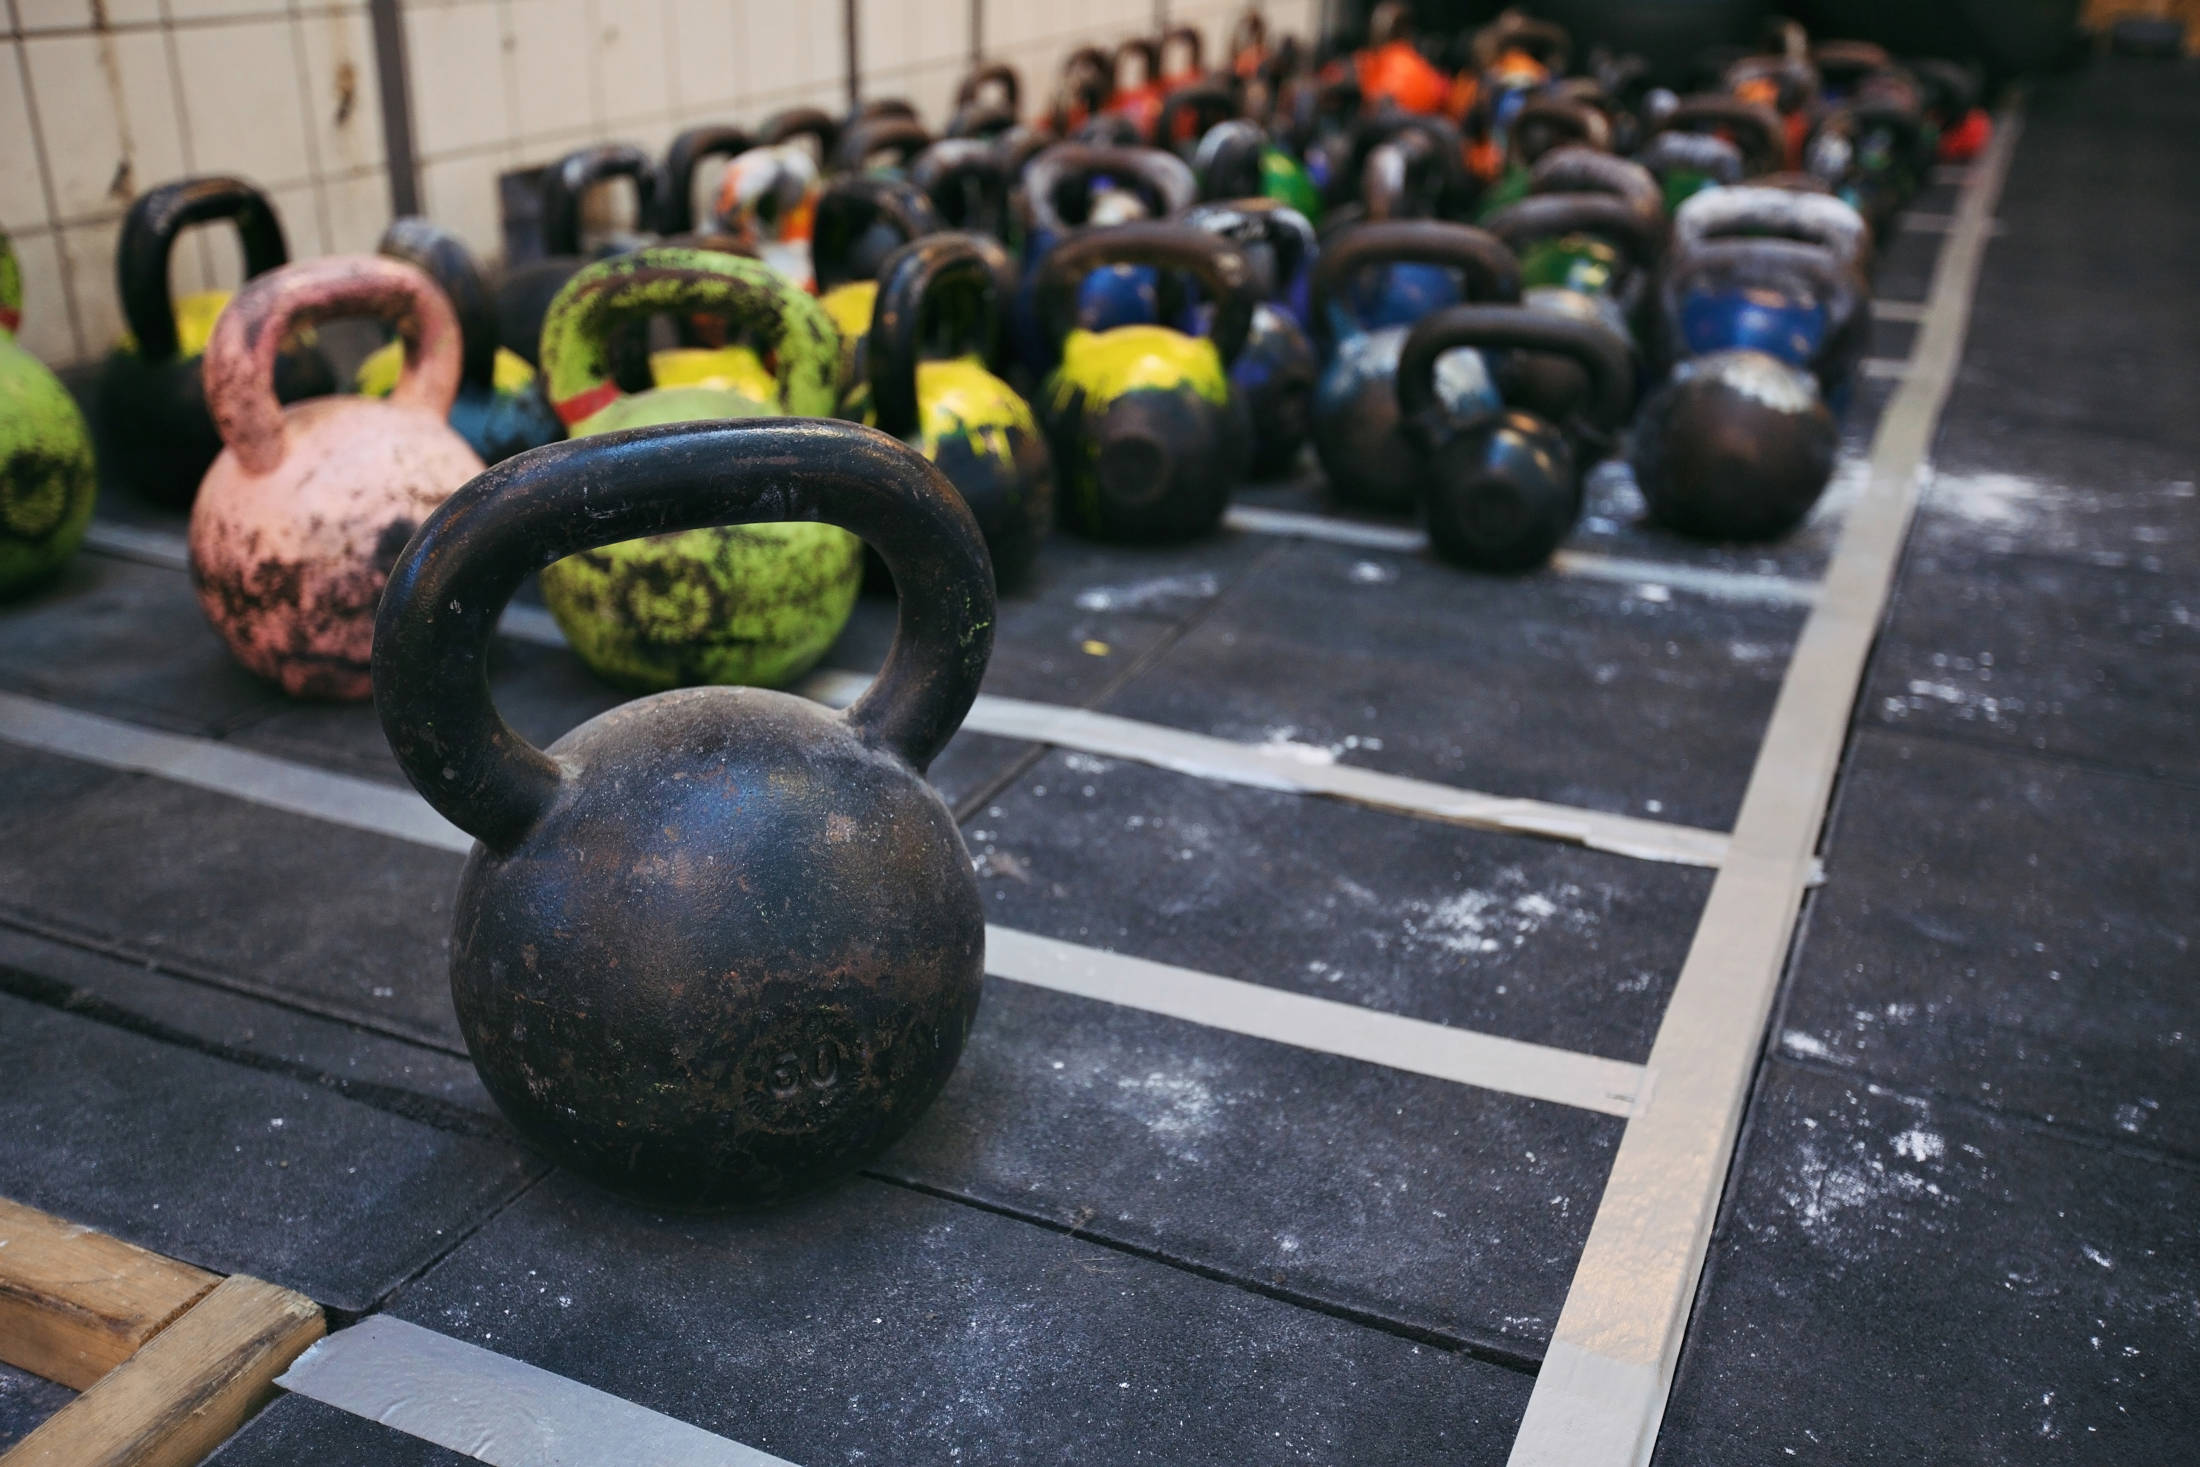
[1502,488]
[971,184]
[500,409]
[890,135]
[1358,435]
[718,945]
[790,123]
[986,101]
[527,288]
[151,423]
[1740,440]
[1147,439]
[860,220]
[684,157]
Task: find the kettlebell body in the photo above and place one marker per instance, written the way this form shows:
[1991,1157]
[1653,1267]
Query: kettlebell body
[1502,487]
[1358,432]
[155,431]
[301,516]
[500,409]
[717,946]
[47,477]
[748,604]
[1145,436]
[1735,445]
[955,407]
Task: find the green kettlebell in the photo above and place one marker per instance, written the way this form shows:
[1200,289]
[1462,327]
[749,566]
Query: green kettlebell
[47,479]
[755,604]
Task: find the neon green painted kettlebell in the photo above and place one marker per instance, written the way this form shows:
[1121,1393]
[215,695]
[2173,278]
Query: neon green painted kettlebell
[47,480]
[755,604]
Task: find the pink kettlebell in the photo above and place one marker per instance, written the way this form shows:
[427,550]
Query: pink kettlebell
[300,518]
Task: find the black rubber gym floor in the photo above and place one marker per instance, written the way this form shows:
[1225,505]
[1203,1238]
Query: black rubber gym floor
[1961,1226]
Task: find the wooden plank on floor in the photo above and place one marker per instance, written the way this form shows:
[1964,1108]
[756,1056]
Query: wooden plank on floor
[75,1303]
[187,1389]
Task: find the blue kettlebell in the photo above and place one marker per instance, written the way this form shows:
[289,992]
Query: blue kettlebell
[1358,433]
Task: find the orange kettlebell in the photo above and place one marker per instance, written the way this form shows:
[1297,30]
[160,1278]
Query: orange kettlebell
[300,518]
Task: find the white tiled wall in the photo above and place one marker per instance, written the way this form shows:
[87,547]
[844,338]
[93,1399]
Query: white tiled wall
[115,95]
[100,99]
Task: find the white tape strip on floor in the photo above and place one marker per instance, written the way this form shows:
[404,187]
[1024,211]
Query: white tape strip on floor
[279,784]
[1908,312]
[1508,1066]
[493,1408]
[1296,770]
[1460,1055]
[1601,1393]
[1884,369]
[1588,565]
[1259,767]
[128,542]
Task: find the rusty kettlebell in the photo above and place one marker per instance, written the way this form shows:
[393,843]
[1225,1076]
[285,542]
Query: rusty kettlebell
[301,516]
[718,945]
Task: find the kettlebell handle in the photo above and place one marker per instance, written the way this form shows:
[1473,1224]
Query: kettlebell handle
[1270,222]
[1585,125]
[850,205]
[908,278]
[1601,353]
[239,370]
[904,137]
[1194,45]
[1746,211]
[577,329]
[446,260]
[149,233]
[1164,179]
[685,154]
[1756,127]
[431,637]
[1574,169]
[1549,43]
[1490,270]
[1227,160]
[953,162]
[1607,216]
[1217,263]
[1210,102]
[1148,50]
[570,179]
[998,74]
[802,122]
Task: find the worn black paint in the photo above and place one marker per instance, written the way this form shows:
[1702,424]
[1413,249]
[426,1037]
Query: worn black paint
[720,944]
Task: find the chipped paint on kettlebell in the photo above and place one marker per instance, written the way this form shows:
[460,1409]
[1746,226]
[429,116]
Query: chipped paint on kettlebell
[47,477]
[756,604]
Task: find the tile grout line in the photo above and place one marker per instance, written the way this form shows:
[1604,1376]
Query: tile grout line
[1607,1374]
[1463,1056]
